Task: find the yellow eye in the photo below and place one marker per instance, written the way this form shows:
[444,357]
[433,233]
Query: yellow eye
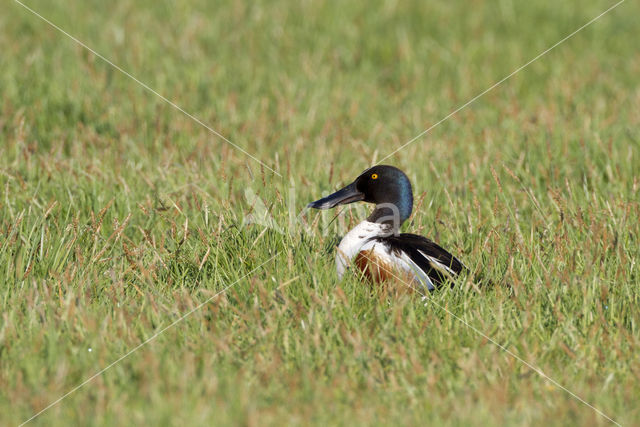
[374,176]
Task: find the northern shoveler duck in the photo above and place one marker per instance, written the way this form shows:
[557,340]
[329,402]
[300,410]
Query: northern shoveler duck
[375,246]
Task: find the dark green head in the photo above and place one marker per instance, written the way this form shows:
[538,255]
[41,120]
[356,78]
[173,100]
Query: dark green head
[385,186]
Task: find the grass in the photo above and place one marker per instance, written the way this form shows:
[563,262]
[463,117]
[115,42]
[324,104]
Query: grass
[118,214]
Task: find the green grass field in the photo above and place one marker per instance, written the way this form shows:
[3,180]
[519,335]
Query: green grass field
[119,214]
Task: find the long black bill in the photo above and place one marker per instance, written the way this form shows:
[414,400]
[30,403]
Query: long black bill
[348,194]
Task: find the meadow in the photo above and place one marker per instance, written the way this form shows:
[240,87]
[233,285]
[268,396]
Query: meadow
[119,214]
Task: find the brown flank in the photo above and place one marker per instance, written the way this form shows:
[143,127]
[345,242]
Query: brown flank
[378,271]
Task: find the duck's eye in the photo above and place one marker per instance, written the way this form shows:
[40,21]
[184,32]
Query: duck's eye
[374,176]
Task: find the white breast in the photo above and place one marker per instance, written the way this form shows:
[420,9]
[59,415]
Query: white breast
[359,239]
[355,241]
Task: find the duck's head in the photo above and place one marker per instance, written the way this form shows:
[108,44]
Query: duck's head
[385,186]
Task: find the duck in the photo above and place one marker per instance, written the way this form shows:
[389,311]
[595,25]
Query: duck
[375,247]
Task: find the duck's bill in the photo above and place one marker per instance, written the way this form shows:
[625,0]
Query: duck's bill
[348,194]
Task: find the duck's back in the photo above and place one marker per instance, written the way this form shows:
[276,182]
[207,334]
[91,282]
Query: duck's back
[434,261]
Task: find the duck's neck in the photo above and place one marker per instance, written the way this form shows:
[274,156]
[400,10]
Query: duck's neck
[391,214]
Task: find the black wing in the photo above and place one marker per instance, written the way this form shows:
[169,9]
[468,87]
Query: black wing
[437,263]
